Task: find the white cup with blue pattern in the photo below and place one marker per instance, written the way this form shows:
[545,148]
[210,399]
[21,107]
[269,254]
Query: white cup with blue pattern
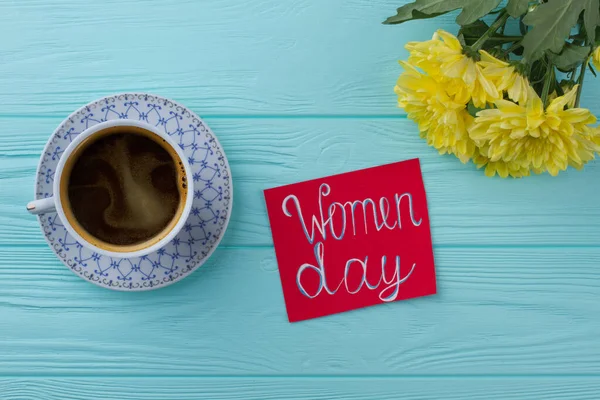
[59,202]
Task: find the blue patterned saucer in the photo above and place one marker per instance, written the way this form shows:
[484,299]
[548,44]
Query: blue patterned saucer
[208,219]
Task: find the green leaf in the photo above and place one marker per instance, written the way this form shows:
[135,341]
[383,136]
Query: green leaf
[472,10]
[419,15]
[516,8]
[472,109]
[598,35]
[408,12]
[472,32]
[591,18]
[477,28]
[570,58]
[475,9]
[469,34]
[552,22]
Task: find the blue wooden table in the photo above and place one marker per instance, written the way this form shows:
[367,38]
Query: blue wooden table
[294,89]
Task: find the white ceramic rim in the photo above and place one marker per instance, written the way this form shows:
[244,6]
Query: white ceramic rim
[59,176]
[208,254]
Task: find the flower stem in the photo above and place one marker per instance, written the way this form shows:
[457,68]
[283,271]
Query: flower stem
[515,46]
[580,81]
[547,83]
[500,39]
[493,28]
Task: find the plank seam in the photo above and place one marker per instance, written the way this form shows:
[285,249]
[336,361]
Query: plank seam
[435,247]
[304,377]
[239,116]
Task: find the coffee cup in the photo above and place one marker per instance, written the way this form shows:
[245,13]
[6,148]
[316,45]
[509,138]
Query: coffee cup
[122,188]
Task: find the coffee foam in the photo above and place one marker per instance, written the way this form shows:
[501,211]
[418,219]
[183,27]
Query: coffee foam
[124,189]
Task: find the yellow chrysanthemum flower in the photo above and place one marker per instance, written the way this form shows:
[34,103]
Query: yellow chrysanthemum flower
[467,73]
[423,55]
[525,136]
[441,119]
[500,167]
[566,87]
[596,57]
[443,58]
[505,77]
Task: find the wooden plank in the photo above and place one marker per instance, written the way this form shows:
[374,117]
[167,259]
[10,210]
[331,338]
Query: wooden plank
[498,311]
[217,57]
[290,388]
[228,56]
[466,208]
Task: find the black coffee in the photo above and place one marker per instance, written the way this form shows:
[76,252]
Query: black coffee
[124,188]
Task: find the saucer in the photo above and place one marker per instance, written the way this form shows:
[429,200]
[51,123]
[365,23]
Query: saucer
[211,208]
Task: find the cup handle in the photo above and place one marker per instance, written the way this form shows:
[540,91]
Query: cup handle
[41,206]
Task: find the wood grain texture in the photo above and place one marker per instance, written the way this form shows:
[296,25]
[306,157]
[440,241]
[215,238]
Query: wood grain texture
[223,57]
[466,208]
[296,389]
[294,89]
[498,311]
[267,56]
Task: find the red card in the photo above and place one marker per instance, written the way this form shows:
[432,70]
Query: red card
[352,240]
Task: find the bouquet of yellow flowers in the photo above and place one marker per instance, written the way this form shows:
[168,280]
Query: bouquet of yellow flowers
[505,94]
